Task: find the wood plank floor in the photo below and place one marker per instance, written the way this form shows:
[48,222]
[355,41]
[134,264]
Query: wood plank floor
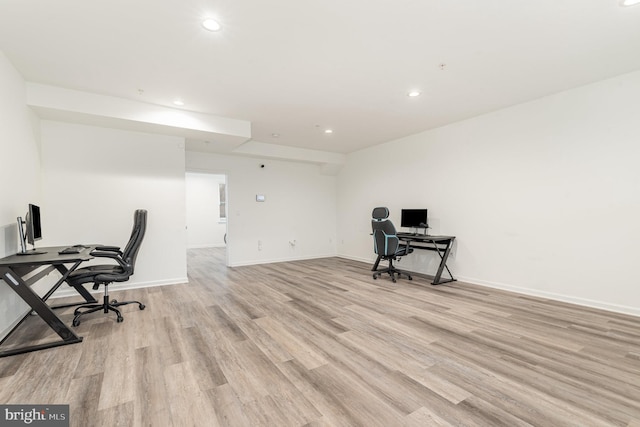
[320,343]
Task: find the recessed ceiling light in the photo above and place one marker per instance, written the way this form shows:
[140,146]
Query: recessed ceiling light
[328,131]
[178,102]
[211,24]
[414,93]
[629,2]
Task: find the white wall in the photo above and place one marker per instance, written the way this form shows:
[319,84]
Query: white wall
[205,228]
[300,206]
[19,176]
[93,180]
[544,197]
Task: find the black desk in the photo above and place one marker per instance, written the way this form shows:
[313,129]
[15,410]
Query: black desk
[14,269]
[440,244]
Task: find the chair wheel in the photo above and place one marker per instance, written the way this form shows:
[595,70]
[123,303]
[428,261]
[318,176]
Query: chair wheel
[120,319]
[142,306]
[114,301]
[375,277]
[75,322]
[410,278]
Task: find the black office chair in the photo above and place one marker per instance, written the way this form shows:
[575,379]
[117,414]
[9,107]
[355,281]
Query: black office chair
[109,273]
[386,243]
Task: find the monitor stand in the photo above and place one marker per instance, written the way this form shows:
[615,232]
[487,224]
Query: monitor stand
[23,242]
[33,251]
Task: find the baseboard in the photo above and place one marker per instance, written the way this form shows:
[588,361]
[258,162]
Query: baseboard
[217,245]
[615,308]
[633,311]
[70,292]
[274,260]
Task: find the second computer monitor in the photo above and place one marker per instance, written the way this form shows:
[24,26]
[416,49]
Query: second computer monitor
[411,218]
[34,224]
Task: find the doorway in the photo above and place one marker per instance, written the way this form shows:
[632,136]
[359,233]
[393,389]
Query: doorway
[206,211]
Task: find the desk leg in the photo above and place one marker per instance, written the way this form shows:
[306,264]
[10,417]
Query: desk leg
[35,302]
[88,298]
[443,264]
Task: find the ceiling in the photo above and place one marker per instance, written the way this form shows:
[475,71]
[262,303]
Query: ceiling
[295,68]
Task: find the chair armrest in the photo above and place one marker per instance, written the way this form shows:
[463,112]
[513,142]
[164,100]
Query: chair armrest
[116,256]
[108,248]
[102,254]
[106,251]
[404,250]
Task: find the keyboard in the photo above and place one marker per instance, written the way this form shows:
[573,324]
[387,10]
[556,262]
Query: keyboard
[72,250]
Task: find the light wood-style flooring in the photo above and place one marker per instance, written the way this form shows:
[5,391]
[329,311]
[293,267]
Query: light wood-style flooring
[320,343]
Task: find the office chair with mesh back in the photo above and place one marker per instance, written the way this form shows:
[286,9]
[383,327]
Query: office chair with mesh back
[105,274]
[386,243]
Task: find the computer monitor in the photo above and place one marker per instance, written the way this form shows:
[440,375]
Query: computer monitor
[30,231]
[34,224]
[411,218]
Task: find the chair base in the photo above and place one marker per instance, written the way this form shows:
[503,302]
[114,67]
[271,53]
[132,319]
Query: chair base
[106,306]
[391,271]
